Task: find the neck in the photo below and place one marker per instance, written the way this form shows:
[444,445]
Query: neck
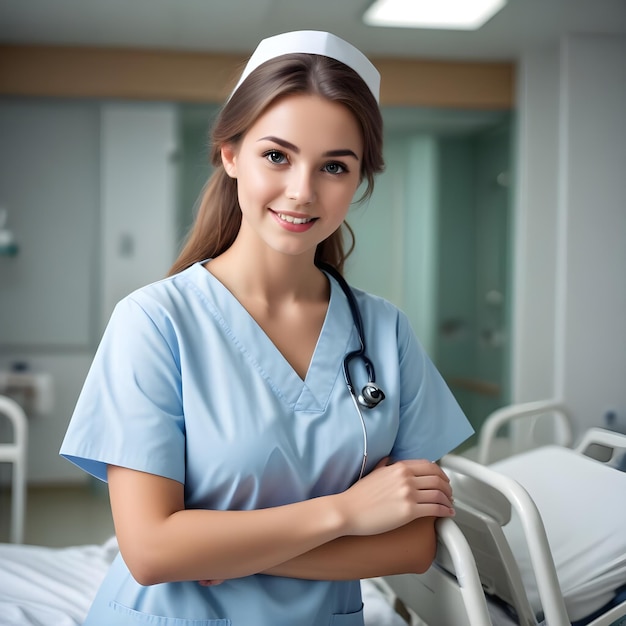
[271,277]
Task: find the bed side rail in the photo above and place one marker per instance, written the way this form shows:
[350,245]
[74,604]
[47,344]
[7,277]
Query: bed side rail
[534,532]
[15,453]
[440,597]
[496,420]
[605,446]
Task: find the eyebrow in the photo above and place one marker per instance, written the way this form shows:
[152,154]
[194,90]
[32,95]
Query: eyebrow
[289,146]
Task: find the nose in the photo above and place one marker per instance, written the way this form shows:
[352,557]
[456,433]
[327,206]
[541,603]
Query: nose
[301,186]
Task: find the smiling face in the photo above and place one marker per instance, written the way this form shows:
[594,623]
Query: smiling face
[297,169]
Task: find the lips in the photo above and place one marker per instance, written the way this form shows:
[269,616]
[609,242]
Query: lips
[295,220]
[293,223]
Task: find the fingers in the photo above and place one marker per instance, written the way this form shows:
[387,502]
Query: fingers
[433,483]
[423,476]
[434,496]
[422,467]
[430,484]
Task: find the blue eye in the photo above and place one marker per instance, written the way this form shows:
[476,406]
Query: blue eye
[276,157]
[335,168]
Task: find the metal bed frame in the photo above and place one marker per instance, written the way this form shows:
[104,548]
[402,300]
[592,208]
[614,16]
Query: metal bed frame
[474,562]
[15,453]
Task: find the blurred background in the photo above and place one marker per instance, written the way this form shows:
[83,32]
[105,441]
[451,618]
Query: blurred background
[499,225]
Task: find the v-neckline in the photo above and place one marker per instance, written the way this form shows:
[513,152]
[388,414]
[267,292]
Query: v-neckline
[313,392]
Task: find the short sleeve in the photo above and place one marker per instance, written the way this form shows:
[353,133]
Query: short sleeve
[129,412]
[431,421]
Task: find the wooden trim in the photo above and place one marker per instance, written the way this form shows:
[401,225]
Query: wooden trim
[115,73]
[447,84]
[75,72]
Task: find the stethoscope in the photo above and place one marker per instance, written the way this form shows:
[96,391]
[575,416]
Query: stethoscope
[371,394]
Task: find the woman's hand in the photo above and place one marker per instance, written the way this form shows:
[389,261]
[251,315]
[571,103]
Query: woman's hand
[394,495]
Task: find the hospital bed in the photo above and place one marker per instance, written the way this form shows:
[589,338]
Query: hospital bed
[541,539]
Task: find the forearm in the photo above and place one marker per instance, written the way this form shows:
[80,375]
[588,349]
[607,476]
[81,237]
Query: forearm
[166,542]
[234,544]
[408,549]
[163,541]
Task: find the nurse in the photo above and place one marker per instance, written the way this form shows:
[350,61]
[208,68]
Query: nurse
[248,485]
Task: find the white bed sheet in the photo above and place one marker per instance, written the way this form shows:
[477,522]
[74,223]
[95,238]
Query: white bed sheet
[583,507]
[42,586]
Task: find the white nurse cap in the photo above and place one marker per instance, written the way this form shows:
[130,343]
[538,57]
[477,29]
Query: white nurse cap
[314,42]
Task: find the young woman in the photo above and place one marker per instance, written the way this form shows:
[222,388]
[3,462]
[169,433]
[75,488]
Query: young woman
[258,466]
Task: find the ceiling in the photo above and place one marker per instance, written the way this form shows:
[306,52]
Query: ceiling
[237,25]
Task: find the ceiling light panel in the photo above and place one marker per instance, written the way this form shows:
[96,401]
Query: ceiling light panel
[442,14]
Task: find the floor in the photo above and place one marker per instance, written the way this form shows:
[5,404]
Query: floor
[59,516]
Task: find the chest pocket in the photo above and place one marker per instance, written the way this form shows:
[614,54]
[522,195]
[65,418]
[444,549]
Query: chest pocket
[130,617]
[348,619]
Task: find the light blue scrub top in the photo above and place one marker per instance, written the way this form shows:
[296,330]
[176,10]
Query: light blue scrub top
[186,385]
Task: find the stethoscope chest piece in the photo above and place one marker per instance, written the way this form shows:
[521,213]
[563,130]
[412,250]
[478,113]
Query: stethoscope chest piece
[371,395]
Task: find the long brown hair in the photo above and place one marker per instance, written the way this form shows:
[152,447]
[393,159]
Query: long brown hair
[219,217]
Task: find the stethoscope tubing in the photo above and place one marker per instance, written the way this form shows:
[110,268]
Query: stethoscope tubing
[356,354]
[364,428]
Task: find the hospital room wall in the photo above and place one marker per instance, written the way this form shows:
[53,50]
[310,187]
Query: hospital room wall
[570,229]
[49,161]
[434,240]
[543,174]
[396,243]
[122,157]
[90,188]
[103,221]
